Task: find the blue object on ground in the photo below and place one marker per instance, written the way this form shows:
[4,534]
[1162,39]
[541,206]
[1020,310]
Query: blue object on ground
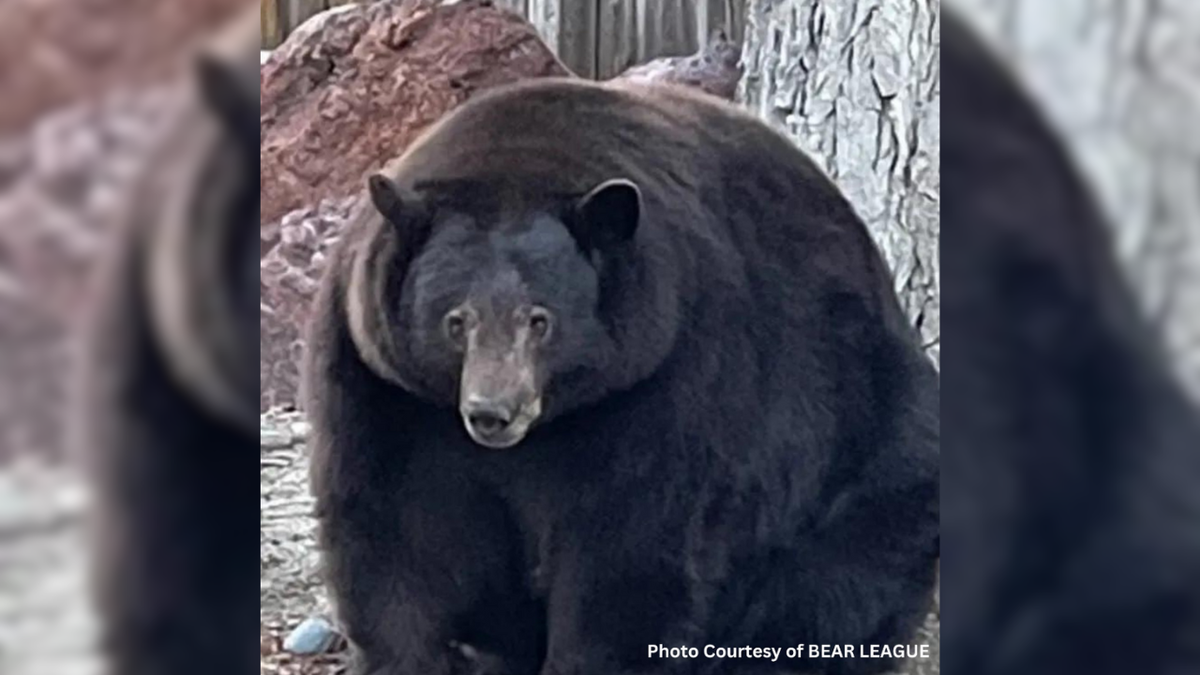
[314,635]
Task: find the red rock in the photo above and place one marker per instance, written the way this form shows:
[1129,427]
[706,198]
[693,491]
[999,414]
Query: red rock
[351,88]
[288,275]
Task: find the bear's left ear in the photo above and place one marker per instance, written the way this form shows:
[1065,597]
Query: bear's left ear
[607,215]
[230,96]
[399,207]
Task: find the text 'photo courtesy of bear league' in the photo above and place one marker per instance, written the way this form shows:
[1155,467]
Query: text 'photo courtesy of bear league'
[600,338]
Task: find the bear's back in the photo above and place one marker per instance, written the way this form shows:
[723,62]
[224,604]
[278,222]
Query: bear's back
[566,134]
[739,199]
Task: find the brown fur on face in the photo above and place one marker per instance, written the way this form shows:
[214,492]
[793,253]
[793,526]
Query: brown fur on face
[500,391]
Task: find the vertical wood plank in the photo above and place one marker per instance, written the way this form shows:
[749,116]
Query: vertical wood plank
[727,15]
[569,28]
[544,16]
[667,29]
[272,32]
[616,47]
[681,27]
[519,6]
[301,10]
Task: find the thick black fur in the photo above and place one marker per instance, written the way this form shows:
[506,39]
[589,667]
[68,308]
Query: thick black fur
[740,441]
[167,414]
[1071,462]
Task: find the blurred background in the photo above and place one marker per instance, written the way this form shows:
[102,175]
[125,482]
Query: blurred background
[1119,80]
[86,86]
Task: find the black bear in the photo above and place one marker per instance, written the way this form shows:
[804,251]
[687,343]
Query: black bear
[1071,460]
[167,420]
[604,367]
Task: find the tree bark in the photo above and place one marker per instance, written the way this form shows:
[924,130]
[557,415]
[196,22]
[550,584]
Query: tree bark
[856,83]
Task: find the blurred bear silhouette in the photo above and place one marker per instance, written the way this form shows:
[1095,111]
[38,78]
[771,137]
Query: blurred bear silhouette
[170,390]
[1070,455]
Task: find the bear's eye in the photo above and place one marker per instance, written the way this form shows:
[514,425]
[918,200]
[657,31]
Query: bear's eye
[456,326]
[539,323]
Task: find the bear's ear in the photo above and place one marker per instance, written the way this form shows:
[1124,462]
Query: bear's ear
[230,96]
[399,207]
[607,215]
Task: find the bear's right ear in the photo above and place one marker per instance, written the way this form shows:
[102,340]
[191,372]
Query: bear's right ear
[607,215]
[399,207]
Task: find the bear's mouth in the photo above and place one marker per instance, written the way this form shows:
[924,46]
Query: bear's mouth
[503,434]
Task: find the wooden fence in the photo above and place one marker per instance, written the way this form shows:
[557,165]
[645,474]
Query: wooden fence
[595,38]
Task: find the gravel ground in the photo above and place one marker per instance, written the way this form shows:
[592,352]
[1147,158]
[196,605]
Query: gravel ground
[291,589]
[46,627]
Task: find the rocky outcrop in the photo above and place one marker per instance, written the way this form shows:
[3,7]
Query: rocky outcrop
[288,276]
[352,87]
[715,69]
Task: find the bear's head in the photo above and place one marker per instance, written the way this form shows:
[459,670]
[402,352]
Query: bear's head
[510,308]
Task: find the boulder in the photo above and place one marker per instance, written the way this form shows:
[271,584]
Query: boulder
[715,69]
[289,272]
[353,86]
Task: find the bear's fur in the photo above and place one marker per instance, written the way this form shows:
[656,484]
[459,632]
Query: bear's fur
[167,419]
[728,431]
[1071,457]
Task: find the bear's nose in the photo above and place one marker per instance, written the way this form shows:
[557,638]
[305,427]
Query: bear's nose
[487,417]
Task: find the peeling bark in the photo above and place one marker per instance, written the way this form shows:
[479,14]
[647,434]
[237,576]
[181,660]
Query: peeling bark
[857,84]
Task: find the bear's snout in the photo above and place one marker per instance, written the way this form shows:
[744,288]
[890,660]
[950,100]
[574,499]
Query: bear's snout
[487,417]
[499,422]
[499,398]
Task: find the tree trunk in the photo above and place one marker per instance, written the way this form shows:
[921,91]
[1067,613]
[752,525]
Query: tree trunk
[856,83]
